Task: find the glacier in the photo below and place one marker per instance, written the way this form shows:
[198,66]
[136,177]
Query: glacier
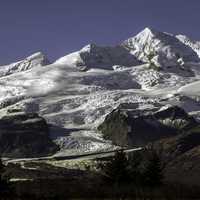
[75,93]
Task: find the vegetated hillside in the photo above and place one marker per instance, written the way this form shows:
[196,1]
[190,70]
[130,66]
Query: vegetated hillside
[181,156]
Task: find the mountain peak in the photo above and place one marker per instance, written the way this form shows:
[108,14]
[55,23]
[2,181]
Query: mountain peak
[160,48]
[35,60]
[89,47]
[148,31]
[39,58]
[36,55]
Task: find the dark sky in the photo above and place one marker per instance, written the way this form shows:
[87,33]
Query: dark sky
[57,27]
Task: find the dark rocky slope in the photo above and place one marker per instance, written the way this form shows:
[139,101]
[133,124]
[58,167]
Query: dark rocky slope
[127,127]
[173,133]
[181,155]
[25,135]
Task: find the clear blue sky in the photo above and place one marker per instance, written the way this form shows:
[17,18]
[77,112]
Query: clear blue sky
[57,27]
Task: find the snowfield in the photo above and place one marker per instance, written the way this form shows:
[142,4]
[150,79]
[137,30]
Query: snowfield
[192,89]
[76,92]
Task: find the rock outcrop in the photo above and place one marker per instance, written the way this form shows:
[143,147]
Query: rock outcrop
[25,135]
[133,128]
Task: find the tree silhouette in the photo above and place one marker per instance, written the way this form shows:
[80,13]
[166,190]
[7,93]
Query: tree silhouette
[142,168]
[116,170]
[4,187]
[153,174]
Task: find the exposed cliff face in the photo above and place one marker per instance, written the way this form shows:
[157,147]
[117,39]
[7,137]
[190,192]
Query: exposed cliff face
[130,128]
[25,135]
[116,127]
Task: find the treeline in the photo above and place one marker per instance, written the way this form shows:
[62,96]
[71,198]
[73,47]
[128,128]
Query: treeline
[141,168]
[136,175]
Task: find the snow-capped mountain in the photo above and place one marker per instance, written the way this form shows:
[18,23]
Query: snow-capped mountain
[77,91]
[162,49]
[93,56]
[35,60]
[195,45]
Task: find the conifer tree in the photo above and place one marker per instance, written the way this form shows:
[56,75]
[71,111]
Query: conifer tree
[116,170]
[153,175]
